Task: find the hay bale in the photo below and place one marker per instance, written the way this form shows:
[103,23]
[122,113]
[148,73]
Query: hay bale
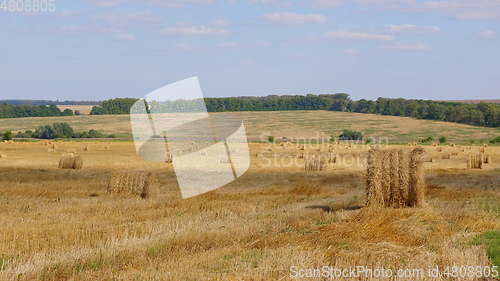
[86,148]
[416,196]
[475,161]
[374,173]
[169,158]
[446,156]
[315,163]
[138,183]
[487,159]
[71,161]
[428,160]
[3,155]
[332,158]
[395,178]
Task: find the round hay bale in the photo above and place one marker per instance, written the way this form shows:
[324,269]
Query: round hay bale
[139,183]
[71,161]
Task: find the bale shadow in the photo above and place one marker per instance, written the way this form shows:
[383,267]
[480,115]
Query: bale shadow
[329,209]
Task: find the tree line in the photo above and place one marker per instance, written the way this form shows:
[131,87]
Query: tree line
[18,111]
[48,102]
[482,114]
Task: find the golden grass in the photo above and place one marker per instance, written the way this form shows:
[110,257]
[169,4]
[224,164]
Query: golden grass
[139,183]
[84,109]
[475,161]
[292,124]
[63,225]
[395,178]
[71,161]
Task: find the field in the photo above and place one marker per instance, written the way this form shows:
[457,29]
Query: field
[84,109]
[293,124]
[63,225]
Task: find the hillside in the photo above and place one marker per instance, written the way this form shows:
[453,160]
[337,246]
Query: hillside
[296,124]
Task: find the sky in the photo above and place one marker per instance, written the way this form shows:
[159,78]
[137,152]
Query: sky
[95,50]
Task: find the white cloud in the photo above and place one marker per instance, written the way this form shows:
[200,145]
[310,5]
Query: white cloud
[459,9]
[352,35]
[229,45]
[106,3]
[200,30]
[407,47]
[281,3]
[178,3]
[412,28]
[350,52]
[488,34]
[219,22]
[125,36]
[294,18]
[392,4]
[184,47]
[127,18]
[327,3]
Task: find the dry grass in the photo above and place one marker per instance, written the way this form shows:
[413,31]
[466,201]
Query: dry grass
[395,178]
[315,163]
[84,109]
[63,225]
[139,183]
[293,124]
[475,161]
[71,161]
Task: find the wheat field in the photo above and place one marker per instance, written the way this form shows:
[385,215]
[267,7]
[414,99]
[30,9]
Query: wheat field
[62,224]
[292,124]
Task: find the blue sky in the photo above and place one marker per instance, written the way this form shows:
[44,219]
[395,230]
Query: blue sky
[93,50]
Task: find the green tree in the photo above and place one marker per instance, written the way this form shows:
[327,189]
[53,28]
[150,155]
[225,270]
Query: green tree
[7,136]
[350,135]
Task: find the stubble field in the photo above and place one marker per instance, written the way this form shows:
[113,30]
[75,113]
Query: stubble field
[293,124]
[63,225]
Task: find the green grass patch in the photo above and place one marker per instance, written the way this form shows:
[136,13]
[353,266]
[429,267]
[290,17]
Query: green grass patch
[491,240]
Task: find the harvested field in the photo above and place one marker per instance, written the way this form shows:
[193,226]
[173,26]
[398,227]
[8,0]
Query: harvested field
[64,225]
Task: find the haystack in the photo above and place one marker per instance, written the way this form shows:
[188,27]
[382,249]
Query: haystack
[169,158]
[138,183]
[71,161]
[487,159]
[332,158]
[395,178]
[315,163]
[475,161]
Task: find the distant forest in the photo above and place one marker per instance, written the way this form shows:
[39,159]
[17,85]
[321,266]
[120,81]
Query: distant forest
[481,114]
[47,102]
[18,111]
